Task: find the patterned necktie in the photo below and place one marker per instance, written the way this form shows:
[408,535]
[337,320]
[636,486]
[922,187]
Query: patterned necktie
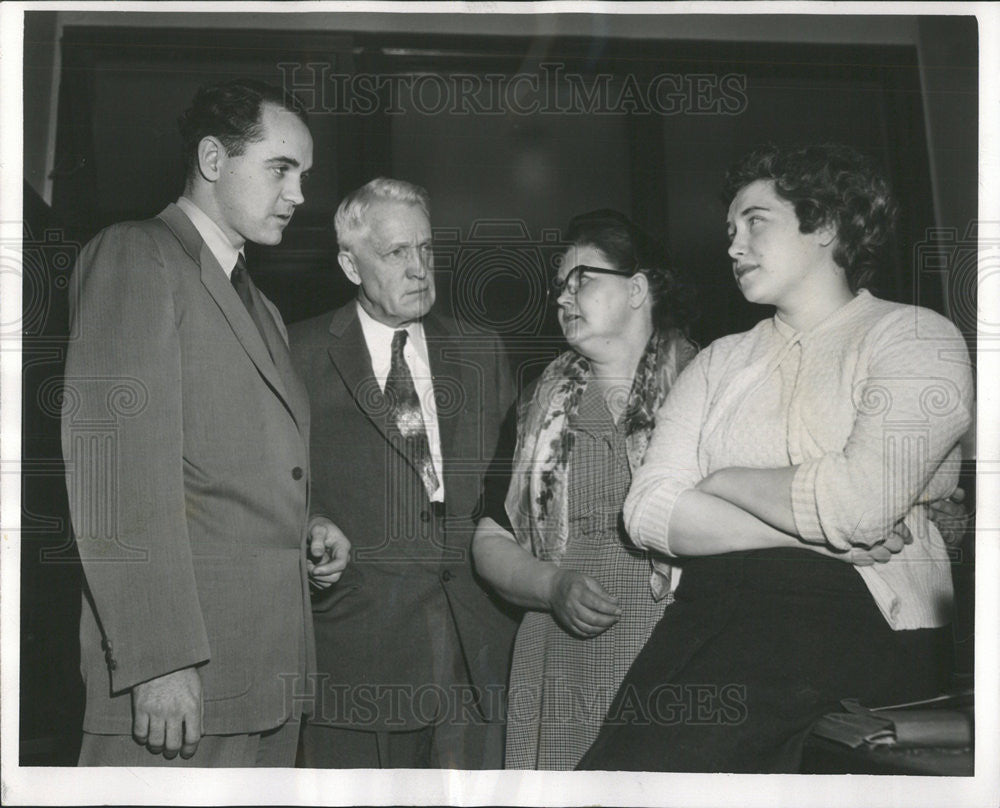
[240,279]
[405,413]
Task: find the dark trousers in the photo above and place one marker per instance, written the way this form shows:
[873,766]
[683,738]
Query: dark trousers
[272,748]
[475,745]
[446,736]
[757,646]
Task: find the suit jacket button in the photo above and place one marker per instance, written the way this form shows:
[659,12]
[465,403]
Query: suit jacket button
[112,664]
[297,473]
[446,576]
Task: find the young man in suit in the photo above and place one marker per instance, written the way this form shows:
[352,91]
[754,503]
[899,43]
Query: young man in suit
[412,653]
[185,434]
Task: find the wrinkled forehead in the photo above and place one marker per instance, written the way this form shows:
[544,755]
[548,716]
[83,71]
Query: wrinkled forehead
[389,221]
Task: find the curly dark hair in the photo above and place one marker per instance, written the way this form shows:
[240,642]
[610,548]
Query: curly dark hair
[629,247]
[230,111]
[828,184]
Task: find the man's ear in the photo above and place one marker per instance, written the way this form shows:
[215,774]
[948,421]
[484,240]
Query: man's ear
[346,261]
[638,289]
[211,154]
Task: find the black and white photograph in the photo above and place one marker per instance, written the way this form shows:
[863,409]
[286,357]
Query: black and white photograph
[558,403]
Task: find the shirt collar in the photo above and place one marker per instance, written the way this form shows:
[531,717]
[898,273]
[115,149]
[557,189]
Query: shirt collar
[375,331]
[858,301]
[222,248]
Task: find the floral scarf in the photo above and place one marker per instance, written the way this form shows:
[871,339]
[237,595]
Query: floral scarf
[536,500]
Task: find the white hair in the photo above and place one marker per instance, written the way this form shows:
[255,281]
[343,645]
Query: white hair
[350,219]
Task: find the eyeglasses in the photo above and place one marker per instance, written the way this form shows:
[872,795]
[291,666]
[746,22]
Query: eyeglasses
[572,280]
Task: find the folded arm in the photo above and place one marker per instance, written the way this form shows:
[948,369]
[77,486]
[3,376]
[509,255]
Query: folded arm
[703,524]
[912,408]
[673,509]
[763,493]
[665,510]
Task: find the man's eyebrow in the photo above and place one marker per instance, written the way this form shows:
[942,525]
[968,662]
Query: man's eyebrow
[388,246]
[752,208]
[281,159]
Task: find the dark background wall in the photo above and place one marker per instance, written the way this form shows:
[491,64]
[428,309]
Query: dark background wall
[506,168]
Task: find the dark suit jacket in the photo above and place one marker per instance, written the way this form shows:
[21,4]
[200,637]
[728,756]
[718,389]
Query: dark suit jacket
[409,558]
[187,469]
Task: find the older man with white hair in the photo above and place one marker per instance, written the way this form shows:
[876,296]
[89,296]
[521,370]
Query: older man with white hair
[413,654]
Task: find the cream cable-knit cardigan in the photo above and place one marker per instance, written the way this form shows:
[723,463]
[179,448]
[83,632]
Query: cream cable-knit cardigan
[870,404]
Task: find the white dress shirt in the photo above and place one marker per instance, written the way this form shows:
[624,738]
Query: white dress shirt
[378,338]
[223,250]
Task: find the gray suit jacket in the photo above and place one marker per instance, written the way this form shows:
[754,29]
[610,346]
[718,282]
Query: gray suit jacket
[375,628]
[187,470]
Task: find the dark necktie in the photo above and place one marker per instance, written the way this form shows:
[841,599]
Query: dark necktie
[240,279]
[405,413]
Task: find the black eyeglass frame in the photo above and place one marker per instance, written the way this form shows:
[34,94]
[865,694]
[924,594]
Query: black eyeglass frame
[557,285]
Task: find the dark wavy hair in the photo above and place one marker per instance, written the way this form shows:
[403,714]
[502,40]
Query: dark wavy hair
[828,184]
[629,247]
[230,111]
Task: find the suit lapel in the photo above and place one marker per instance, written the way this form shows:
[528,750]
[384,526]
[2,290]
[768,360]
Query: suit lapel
[446,373]
[349,354]
[215,281]
[296,396]
[217,284]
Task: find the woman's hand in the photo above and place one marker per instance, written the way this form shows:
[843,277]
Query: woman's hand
[580,605]
[879,553]
[952,517]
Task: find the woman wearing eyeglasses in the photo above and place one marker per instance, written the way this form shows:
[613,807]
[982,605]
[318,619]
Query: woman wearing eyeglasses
[552,541]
